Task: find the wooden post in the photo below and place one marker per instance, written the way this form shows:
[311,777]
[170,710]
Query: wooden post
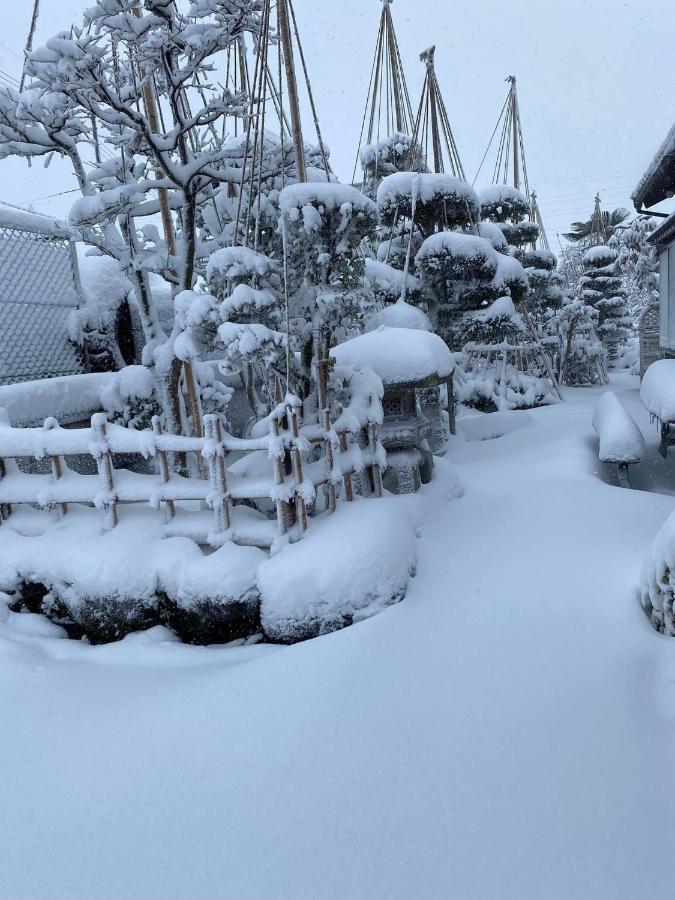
[347,477]
[105,471]
[164,471]
[514,127]
[217,475]
[285,36]
[281,505]
[375,470]
[57,464]
[299,500]
[328,450]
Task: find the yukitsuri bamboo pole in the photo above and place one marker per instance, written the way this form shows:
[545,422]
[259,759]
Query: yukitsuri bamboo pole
[286,43]
[57,464]
[105,471]
[169,505]
[347,476]
[220,503]
[328,450]
[5,508]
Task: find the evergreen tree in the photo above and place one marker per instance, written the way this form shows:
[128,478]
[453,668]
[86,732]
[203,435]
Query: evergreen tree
[602,288]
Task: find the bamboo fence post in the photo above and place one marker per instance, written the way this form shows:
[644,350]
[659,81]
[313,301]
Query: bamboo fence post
[328,449]
[347,476]
[57,464]
[281,505]
[222,473]
[301,506]
[169,505]
[105,471]
[215,476]
[376,471]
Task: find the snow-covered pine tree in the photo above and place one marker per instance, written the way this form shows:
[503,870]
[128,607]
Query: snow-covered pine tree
[638,263]
[581,355]
[602,288]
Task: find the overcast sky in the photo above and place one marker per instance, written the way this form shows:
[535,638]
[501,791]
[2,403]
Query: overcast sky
[595,80]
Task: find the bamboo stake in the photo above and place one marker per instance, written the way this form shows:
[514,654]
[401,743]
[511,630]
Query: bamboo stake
[347,476]
[5,508]
[375,470]
[281,505]
[285,35]
[217,477]
[169,505]
[330,460]
[105,471]
[57,465]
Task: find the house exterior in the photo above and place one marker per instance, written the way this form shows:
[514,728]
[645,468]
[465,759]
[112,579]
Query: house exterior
[656,185]
[39,289]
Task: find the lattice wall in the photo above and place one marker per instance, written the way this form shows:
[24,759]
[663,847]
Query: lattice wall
[38,289]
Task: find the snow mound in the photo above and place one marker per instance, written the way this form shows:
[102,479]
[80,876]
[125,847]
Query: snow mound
[488,426]
[397,355]
[620,438]
[348,566]
[68,398]
[657,390]
[399,315]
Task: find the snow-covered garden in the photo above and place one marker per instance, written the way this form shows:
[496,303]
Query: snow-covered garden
[337,515]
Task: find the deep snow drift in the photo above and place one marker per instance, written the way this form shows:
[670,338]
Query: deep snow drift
[506,731]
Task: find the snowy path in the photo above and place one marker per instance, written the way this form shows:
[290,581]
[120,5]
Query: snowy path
[506,732]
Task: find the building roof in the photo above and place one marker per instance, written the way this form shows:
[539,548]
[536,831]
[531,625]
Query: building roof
[658,182]
[665,233]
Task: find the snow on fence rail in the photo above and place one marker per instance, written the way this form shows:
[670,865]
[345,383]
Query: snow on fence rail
[292,486]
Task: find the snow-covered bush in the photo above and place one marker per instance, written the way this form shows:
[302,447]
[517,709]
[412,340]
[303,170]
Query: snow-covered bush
[395,153]
[440,201]
[503,203]
[498,323]
[129,398]
[581,355]
[658,580]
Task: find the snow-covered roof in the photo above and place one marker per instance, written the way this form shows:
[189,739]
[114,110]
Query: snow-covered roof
[659,178]
[399,315]
[398,355]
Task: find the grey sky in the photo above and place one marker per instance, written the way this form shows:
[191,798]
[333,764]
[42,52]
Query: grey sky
[595,85]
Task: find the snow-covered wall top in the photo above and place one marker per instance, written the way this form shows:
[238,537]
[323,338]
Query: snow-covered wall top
[398,355]
[22,220]
[69,398]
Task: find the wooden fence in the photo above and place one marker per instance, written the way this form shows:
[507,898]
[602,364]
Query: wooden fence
[303,457]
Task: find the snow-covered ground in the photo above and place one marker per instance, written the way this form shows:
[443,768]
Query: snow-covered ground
[507,731]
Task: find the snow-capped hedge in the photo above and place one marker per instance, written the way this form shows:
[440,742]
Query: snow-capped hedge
[457,256]
[500,202]
[438,199]
[387,283]
[511,276]
[347,567]
[658,579]
[494,235]
[313,201]
[537,259]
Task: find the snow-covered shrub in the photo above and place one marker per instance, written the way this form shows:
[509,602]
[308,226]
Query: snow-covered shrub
[395,153]
[129,398]
[399,315]
[499,322]
[581,355]
[347,567]
[440,201]
[518,234]
[389,284]
[494,234]
[503,203]
[214,600]
[658,580]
